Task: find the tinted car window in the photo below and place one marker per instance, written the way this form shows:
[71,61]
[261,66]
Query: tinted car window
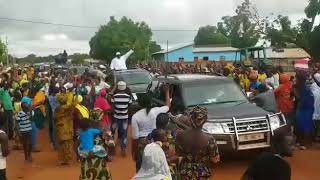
[134,78]
[212,92]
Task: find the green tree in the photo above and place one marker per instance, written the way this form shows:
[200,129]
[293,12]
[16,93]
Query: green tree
[78,58]
[209,35]
[305,35]
[244,28]
[154,47]
[280,32]
[121,36]
[3,49]
[32,58]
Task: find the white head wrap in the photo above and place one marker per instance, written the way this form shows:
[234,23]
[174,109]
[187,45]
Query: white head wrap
[154,164]
[317,77]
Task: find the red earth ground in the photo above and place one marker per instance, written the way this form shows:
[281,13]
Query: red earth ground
[305,165]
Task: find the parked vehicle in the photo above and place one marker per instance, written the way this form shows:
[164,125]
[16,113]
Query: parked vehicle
[236,123]
[138,80]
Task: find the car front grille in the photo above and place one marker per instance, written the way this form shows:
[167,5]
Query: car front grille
[253,125]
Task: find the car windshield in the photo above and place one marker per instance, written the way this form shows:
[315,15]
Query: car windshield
[212,92]
[135,78]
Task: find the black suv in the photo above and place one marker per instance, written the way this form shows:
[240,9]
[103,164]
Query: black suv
[236,123]
[138,80]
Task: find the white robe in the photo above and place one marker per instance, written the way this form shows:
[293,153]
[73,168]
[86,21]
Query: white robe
[316,93]
[120,63]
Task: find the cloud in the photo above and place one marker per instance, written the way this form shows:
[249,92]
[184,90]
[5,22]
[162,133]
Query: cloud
[25,38]
[287,7]
[54,37]
[47,47]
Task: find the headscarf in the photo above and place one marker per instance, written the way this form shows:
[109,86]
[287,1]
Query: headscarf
[230,67]
[198,116]
[62,98]
[253,75]
[316,77]
[96,115]
[103,92]
[284,79]
[26,100]
[78,99]
[82,109]
[102,103]
[283,94]
[154,164]
[70,97]
[39,99]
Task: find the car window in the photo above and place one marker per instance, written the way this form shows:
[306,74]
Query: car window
[177,105]
[215,92]
[135,78]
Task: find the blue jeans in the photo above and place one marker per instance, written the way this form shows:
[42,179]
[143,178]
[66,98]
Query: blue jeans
[122,126]
[34,134]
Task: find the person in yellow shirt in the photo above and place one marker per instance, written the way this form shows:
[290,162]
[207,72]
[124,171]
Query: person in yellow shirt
[244,80]
[261,76]
[70,98]
[30,72]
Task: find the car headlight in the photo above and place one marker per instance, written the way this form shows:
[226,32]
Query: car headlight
[225,127]
[212,128]
[274,122]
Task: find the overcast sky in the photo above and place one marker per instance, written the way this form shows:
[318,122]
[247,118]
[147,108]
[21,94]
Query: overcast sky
[26,38]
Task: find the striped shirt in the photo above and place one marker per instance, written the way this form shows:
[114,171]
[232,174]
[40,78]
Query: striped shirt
[121,102]
[24,122]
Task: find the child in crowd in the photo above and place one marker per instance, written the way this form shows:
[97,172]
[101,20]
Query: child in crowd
[87,140]
[16,110]
[24,121]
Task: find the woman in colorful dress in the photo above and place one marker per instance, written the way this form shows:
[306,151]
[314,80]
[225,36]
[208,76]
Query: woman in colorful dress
[284,98]
[80,112]
[105,122]
[102,103]
[196,158]
[38,111]
[93,165]
[63,120]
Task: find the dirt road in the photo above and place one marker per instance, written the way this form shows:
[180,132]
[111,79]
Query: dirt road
[305,166]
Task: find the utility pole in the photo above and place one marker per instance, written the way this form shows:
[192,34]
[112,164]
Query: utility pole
[167,56]
[7,51]
[167,60]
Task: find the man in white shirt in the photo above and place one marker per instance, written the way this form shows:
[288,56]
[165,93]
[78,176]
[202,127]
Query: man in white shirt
[119,62]
[144,122]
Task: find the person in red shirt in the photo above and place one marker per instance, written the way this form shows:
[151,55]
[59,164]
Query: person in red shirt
[284,98]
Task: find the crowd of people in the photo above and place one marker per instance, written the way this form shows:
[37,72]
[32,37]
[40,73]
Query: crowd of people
[295,94]
[84,113]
